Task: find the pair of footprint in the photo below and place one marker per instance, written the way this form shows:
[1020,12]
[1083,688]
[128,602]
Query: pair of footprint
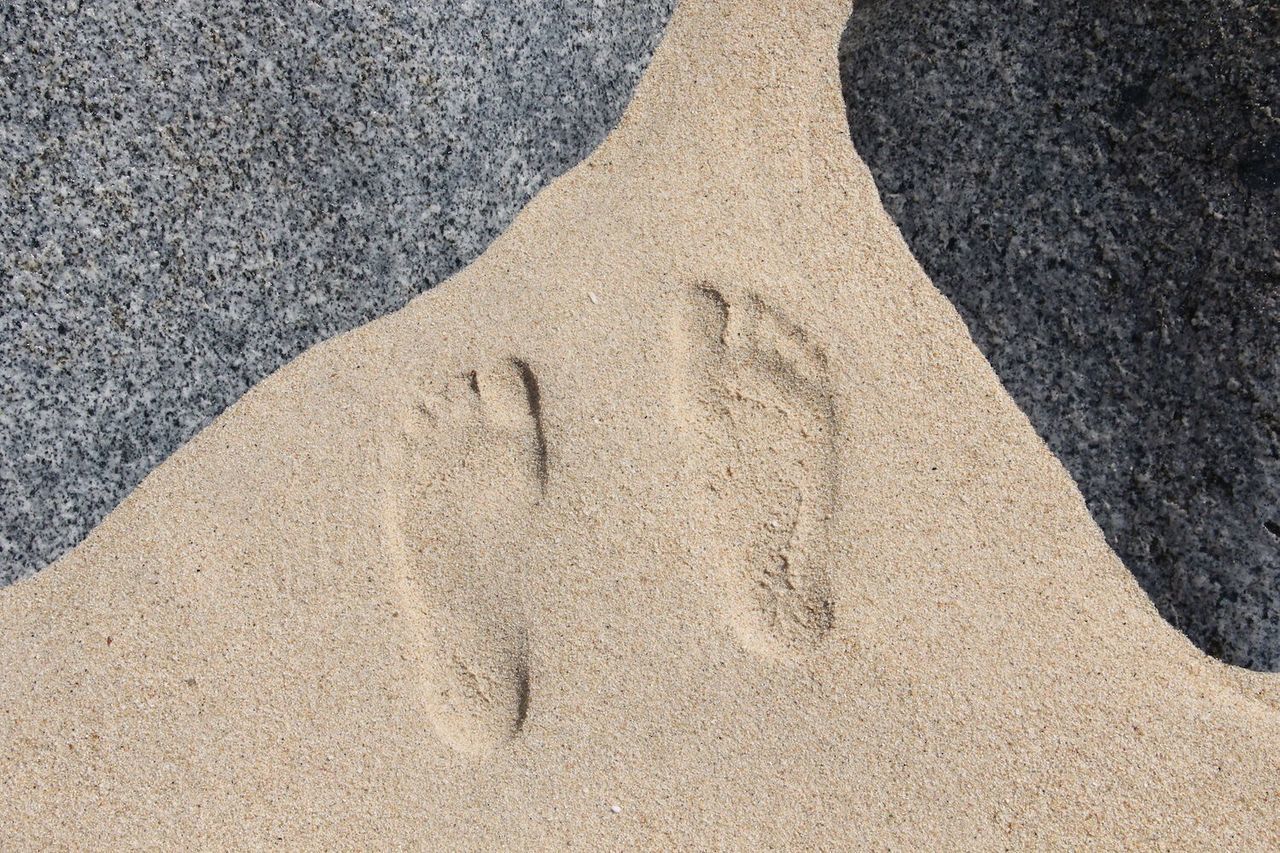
[761,424]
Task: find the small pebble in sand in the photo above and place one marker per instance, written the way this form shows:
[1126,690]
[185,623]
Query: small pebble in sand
[615,808]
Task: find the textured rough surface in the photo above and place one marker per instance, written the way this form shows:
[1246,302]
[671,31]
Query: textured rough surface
[191,194]
[1094,186]
[688,516]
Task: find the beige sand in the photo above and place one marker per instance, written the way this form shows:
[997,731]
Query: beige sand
[688,513]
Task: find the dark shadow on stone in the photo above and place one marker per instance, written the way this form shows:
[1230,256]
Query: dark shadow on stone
[192,194]
[1094,186]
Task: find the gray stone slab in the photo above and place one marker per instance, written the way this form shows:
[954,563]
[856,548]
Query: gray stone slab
[193,193]
[1094,186]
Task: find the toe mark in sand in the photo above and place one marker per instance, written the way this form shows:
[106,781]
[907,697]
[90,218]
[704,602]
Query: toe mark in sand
[513,400]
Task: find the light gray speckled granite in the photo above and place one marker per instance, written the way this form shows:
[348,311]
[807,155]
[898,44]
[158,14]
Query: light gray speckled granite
[192,193]
[1096,186]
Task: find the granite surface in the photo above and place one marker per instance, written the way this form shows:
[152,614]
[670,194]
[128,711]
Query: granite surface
[193,193]
[1094,185]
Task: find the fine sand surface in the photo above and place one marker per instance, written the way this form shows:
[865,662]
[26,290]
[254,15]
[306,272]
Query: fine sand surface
[687,513]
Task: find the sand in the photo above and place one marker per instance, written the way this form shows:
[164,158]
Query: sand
[687,514]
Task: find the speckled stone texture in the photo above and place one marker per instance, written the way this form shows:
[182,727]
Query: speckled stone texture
[192,193]
[1094,186]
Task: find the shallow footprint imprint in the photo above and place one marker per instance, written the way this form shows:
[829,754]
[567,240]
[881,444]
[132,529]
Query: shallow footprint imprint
[763,417]
[461,530]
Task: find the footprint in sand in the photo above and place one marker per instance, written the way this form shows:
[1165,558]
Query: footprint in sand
[460,531]
[758,397]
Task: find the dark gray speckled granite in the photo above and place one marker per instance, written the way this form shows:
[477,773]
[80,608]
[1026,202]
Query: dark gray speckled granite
[193,193]
[1094,185]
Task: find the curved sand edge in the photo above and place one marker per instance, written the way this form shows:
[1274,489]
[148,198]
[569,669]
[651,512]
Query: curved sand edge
[690,497]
